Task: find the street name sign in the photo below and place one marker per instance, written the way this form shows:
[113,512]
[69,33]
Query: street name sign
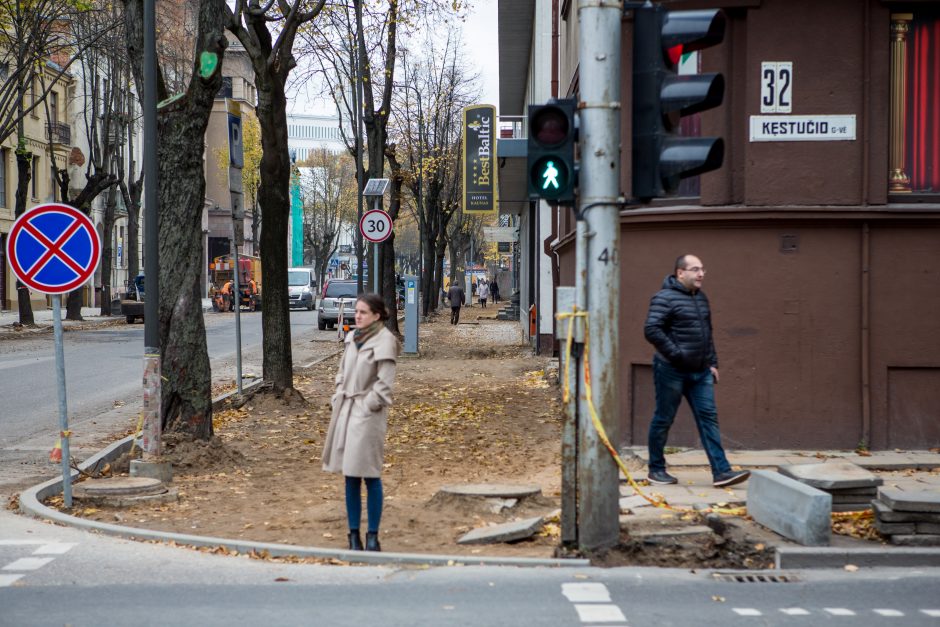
[53,248]
[375,226]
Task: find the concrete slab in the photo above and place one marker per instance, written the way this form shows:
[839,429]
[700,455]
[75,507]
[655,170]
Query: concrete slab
[507,532]
[887,528]
[899,500]
[492,490]
[885,513]
[655,536]
[831,475]
[789,507]
[628,503]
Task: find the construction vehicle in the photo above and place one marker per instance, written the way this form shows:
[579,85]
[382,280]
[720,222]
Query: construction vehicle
[223,283]
[132,303]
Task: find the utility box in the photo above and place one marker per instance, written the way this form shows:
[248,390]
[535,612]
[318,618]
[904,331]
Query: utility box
[412,291]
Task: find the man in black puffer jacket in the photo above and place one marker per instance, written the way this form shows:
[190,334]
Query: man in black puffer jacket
[679,325]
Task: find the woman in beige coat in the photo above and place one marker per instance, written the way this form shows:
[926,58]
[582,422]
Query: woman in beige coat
[355,441]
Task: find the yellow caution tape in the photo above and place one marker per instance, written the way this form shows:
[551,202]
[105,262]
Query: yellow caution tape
[656,500]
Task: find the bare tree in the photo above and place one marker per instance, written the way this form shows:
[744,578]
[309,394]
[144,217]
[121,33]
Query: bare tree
[267,31]
[35,53]
[181,125]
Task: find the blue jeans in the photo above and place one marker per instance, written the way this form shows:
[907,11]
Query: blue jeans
[699,389]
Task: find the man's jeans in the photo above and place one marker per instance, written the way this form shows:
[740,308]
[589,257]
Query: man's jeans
[699,389]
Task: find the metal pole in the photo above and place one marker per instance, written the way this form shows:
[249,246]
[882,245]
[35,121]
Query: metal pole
[238,318]
[599,51]
[375,252]
[63,403]
[152,386]
[421,277]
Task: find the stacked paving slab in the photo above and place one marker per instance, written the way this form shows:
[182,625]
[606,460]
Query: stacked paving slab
[908,518]
[852,487]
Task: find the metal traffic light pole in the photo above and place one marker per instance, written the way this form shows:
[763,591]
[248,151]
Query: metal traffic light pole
[598,220]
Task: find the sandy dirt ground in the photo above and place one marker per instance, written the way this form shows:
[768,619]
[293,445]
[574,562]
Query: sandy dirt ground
[476,407]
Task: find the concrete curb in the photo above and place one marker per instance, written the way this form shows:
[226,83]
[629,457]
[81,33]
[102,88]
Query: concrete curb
[31,504]
[793,557]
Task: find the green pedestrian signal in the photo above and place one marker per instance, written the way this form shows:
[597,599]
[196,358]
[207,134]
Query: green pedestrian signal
[551,151]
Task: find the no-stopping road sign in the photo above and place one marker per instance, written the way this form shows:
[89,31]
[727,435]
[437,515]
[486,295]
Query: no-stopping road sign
[53,248]
[375,226]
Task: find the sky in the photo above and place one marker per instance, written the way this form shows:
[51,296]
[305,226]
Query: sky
[481,45]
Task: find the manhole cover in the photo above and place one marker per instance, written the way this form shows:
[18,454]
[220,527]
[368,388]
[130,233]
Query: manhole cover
[119,486]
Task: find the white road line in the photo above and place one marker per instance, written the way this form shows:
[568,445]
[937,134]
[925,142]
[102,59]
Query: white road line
[54,548]
[839,611]
[934,613]
[746,611]
[28,563]
[586,592]
[599,613]
[7,580]
[886,612]
[794,611]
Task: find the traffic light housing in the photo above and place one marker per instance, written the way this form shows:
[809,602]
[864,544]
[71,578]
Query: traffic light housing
[552,137]
[661,158]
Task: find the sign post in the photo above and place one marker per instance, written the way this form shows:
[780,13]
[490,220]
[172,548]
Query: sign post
[236,161]
[375,225]
[53,249]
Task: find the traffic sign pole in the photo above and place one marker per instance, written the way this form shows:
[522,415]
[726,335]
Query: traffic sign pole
[375,254]
[53,249]
[64,432]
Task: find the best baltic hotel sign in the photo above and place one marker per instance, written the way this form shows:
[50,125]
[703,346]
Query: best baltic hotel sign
[479,159]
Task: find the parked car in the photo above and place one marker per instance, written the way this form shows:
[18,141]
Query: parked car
[336,292]
[302,287]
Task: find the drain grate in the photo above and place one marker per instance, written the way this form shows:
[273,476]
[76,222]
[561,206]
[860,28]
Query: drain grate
[755,578]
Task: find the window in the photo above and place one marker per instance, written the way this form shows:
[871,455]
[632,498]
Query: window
[35,177]
[915,115]
[4,154]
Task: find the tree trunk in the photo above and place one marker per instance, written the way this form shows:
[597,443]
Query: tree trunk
[274,198]
[186,378]
[107,252]
[23,175]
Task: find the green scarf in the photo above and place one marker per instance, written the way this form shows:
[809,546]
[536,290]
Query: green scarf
[361,336]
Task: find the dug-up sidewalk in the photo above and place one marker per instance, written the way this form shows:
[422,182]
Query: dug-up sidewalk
[855,538]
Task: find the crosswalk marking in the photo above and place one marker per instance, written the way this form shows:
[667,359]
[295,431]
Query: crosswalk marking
[887,612]
[839,611]
[746,611]
[586,592]
[28,563]
[794,611]
[54,548]
[7,580]
[599,613]
[934,613]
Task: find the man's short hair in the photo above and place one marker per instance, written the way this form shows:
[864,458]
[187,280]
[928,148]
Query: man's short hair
[681,263]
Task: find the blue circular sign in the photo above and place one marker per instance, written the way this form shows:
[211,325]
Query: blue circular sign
[53,248]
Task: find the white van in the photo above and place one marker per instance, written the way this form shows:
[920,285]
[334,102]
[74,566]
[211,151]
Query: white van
[302,287]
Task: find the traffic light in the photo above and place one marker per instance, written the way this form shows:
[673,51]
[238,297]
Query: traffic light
[661,158]
[551,144]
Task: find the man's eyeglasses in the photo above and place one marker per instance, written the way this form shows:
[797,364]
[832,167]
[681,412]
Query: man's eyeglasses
[694,269]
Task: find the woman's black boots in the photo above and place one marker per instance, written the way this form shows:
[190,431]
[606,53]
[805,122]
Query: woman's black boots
[372,541]
[355,541]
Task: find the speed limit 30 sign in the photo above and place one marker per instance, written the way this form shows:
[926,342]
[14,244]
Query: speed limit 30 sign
[375,226]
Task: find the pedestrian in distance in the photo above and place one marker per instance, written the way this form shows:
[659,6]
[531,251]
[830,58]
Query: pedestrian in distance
[355,440]
[494,290]
[457,298]
[679,326]
[483,291]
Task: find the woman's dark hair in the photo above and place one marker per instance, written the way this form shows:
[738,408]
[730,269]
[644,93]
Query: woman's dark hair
[375,303]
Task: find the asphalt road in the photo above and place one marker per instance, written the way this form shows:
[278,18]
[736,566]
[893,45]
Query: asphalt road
[55,576]
[103,368]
